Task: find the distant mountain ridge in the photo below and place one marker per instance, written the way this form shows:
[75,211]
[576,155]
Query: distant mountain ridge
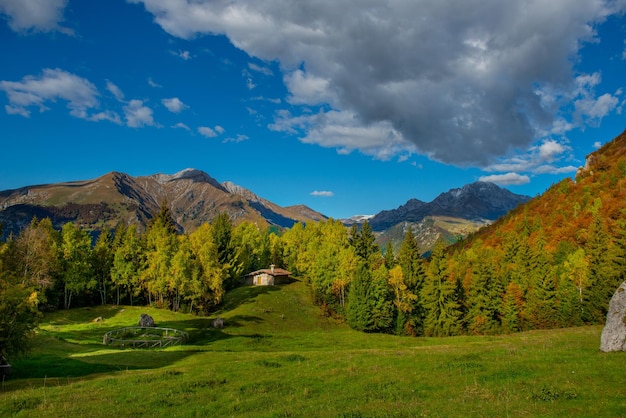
[194,197]
[479,201]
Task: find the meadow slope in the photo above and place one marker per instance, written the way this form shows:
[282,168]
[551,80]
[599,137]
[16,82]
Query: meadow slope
[278,357]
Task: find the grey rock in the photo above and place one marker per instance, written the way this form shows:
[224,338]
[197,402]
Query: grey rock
[217,323]
[146,321]
[613,336]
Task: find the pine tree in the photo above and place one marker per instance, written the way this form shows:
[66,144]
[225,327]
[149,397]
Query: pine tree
[390,256]
[484,298]
[414,275]
[443,315]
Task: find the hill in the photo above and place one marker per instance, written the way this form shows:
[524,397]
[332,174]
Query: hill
[566,211]
[278,357]
[194,197]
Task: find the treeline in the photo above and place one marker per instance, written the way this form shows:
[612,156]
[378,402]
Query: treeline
[519,285]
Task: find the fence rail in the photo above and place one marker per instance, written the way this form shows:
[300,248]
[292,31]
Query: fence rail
[132,337]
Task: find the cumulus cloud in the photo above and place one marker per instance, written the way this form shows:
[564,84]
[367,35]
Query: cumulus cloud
[53,85]
[462,82]
[35,15]
[508,179]
[211,132]
[343,131]
[137,115]
[174,105]
[322,193]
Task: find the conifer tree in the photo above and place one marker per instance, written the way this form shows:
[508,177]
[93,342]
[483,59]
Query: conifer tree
[412,265]
[484,298]
[443,315]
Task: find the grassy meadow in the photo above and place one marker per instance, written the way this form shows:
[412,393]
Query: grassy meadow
[278,357]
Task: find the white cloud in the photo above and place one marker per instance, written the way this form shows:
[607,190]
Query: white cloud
[506,179]
[137,115]
[174,104]
[237,139]
[344,131]
[597,144]
[550,150]
[307,89]
[151,83]
[461,82]
[53,85]
[115,91]
[322,193]
[210,132]
[186,55]
[36,15]
[181,125]
[260,69]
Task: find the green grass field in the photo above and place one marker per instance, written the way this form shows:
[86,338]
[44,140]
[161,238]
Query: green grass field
[278,357]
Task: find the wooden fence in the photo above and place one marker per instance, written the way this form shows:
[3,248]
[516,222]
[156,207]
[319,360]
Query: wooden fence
[132,337]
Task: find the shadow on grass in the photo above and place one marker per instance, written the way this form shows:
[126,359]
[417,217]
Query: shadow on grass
[244,294]
[50,365]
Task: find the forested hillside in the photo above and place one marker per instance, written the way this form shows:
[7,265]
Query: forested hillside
[553,262]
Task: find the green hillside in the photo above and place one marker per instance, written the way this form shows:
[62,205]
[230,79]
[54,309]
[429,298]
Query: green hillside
[278,356]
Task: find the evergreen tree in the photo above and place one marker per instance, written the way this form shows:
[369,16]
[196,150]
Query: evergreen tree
[369,306]
[390,257]
[363,241]
[484,297]
[604,279]
[413,273]
[439,297]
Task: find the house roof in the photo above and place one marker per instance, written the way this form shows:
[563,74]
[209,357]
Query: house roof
[277,272]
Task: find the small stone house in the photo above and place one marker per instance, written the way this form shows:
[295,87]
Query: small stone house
[267,277]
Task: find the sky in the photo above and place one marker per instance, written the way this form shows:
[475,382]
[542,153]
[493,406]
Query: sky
[349,107]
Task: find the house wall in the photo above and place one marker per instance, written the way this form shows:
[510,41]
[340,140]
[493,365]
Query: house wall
[263,279]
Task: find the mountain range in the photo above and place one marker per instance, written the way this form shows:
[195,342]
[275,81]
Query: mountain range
[194,197]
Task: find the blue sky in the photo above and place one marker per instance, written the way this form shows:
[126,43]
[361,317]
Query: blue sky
[349,107]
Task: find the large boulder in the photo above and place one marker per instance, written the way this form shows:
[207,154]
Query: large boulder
[146,321]
[217,323]
[614,333]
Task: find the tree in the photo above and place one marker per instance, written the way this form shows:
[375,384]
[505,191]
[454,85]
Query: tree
[102,263]
[369,304]
[128,261]
[36,259]
[390,257]
[76,270]
[484,297]
[414,275]
[404,299]
[207,284]
[18,310]
[161,245]
[363,241]
[443,315]
[576,269]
